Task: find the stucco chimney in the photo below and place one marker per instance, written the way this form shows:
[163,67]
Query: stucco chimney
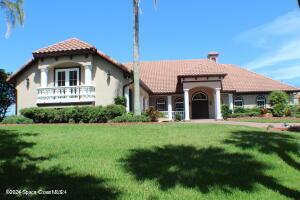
[213,56]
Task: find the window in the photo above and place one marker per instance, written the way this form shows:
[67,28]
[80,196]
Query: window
[261,101]
[179,106]
[238,102]
[161,104]
[199,96]
[67,77]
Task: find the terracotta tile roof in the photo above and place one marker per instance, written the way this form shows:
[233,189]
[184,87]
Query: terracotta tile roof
[242,80]
[161,76]
[71,44]
[67,47]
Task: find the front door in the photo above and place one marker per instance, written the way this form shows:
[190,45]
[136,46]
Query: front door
[200,106]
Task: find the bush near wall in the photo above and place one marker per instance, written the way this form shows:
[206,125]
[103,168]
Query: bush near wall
[84,114]
[278,101]
[245,112]
[129,117]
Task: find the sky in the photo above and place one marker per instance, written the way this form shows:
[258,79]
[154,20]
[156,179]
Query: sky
[260,35]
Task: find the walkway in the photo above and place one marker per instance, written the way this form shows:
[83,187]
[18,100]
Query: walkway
[251,124]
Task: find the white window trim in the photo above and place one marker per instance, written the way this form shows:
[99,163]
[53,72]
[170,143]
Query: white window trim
[195,99]
[263,99]
[158,103]
[239,100]
[179,100]
[67,83]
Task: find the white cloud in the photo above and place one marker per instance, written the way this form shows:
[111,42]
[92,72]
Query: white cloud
[288,24]
[289,51]
[285,73]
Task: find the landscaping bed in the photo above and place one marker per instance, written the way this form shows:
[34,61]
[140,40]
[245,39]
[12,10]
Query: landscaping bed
[267,119]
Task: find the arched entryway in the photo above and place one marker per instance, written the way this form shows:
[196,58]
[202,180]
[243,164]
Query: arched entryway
[200,106]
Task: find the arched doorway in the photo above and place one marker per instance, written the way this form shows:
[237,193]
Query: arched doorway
[200,106]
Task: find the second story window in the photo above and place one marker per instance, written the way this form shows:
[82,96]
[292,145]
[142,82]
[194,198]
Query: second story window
[67,77]
[161,104]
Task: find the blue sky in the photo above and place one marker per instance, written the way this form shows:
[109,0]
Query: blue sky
[261,35]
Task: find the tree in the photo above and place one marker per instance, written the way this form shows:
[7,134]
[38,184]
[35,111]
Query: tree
[136,56]
[14,13]
[7,94]
[278,101]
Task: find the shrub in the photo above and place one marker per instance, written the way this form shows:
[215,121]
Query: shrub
[16,120]
[178,117]
[246,112]
[112,111]
[129,117]
[153,114]
[120,100]
[238,115]
[226,112]
[264,111]
[278,110]
[278,97]
[290,111]
[239,110]
[278,101]
[84,114]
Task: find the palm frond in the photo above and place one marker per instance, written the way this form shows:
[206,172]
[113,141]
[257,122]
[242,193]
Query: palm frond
[14,14]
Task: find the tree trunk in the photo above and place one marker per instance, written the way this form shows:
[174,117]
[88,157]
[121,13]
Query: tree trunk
[136,67]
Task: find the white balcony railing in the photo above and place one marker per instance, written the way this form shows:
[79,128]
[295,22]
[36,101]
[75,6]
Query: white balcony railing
[166,114]
[71,94]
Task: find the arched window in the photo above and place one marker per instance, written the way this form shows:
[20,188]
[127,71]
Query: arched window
[238,102]
[200,96]
[261,101]
[179,106]
[161,104]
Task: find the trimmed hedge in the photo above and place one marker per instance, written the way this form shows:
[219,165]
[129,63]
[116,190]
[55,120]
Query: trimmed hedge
[246,112]
[84,114]
[129,117]
[16,120]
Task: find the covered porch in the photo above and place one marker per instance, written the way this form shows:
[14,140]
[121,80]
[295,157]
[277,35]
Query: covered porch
[199,99]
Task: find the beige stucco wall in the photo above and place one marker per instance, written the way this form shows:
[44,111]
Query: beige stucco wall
[27,96]
[106,89]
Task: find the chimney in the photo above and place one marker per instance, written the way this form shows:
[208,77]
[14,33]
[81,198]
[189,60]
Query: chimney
[213,56]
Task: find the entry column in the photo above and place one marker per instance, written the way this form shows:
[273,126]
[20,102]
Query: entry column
[218,115]
[186,104]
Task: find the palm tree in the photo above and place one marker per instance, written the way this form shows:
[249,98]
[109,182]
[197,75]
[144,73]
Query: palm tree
[14,13]
[136,56]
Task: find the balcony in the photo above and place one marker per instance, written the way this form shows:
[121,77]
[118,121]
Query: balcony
[70,94]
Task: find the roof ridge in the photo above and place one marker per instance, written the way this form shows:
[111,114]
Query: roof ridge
[64,41]
[175,60]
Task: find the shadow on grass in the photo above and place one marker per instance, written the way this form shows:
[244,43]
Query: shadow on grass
[202,169]
[18,170]
[269,143]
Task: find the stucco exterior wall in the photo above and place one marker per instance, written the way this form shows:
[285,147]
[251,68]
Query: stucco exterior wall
[107,87]
[27,96]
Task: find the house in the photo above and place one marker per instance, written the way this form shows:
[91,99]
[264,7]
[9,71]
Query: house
[73,72]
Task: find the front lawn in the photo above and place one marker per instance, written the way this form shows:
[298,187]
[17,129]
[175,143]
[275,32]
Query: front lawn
[154,161]
[267,119]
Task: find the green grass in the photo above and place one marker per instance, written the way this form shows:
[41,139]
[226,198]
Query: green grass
[154,161]
[268,120]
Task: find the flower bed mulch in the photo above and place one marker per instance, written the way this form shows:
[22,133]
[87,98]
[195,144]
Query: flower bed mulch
[275,118]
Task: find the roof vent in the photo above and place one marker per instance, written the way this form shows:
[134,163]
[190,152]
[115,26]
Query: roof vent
[213,56]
